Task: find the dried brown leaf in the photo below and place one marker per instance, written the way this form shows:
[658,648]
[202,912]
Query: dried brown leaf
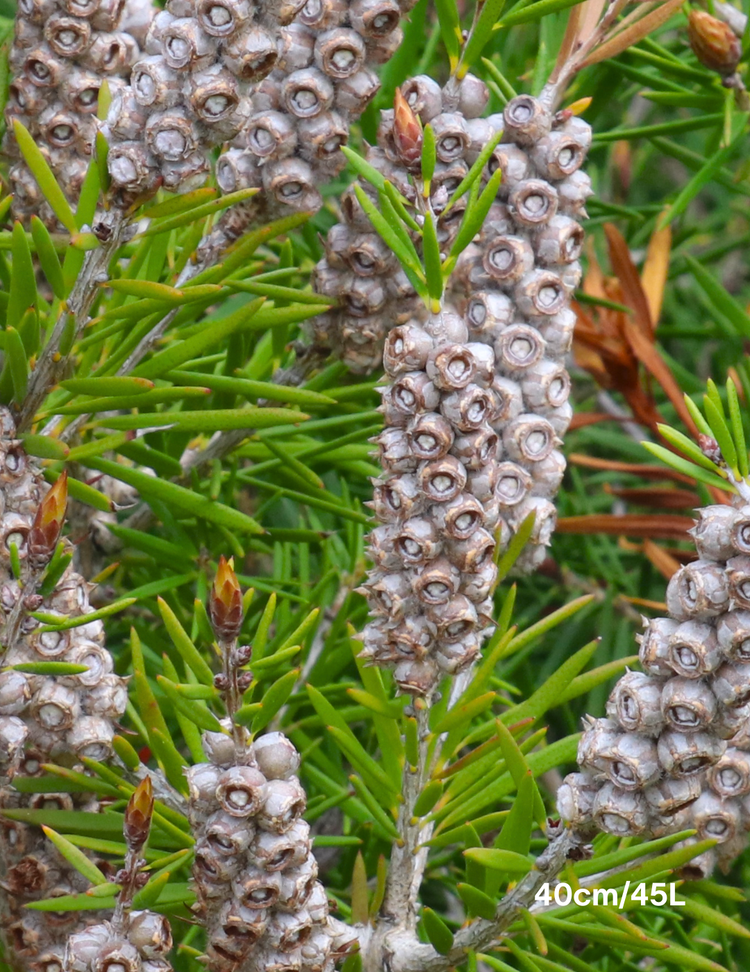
[665,563]
[624,268]
[657,527]
[666,499]
[646,470]
[633,33]
[655,270]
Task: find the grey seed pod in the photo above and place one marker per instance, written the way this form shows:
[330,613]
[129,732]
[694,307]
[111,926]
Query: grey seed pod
[694,650]
[155,84]
[572,194]
[532,203]
[540,293]
[741,531]
[406,349]
[730,724]
[487,313]
[367,255]
[477,449]
[460,517]
[508,259]
[508,399]
[214,95]
[519,349]
[91,736]
[731,684]
[365,296]
[81,92]
[575,800]
[441,480]
[482,483]
[296,885]
[546,386]
[670,796]
[410,639]
[424,96]
[237,169]
[321,138]
[339,53]
[561,153]
[472,554]
[698,590]
[380,547]
[307,93]
[526,120]
[412,393]
[171,135]
[323,14]
[560,241]
[595,745]
[149,933]
[454,658]
[632,763]
[241,791]
[557,331]
[15,693]
[256,889]
[473,96]
[395,451]
[55,706]
[131,166]
[688,705]
[514,164]
[620,812]
[451,366]
[416,677]
[251,53]
[67,36]
[528,439]
[654,653]
[713,533]
[715,818]
[84,947]
[468,409]
[296,44]
[13,734]
[218,18]
[283,803]
[451,136]
[437,582]
[446,328]
[431,436]
[203,778]
[635,703]
[733,635]
[479,131]
[400,496]
[287,932]
[730,777]
[738,578]
[226,834]
[374,18]
[684,754]
[354,94]
[454,620]
[276,756]
[513,484]
[292,182]
[381,49]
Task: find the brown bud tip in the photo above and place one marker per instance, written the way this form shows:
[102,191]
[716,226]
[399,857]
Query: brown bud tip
[48,523]
[225,602]
[407,131]
[714,43]
[138,814]
[710,448]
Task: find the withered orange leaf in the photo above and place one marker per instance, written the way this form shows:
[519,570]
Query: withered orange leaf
[646,470]
[657,527]
[624,268]
[655,270]
[665,563]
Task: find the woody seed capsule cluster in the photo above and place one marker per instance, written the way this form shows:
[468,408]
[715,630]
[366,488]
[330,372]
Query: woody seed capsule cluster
[358,269]
[141,946]
[43,718]
[674,750]
[63,51]
[302,113]
[254,873]
[434,571]
[190,92]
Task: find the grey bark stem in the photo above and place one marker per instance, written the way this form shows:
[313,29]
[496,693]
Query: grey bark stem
[51,364]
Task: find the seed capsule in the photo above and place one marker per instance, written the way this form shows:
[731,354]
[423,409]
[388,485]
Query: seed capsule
[533,203]
[632,763]
[670,796]
[528,439]
[339,53]
[575,799]
[635,703]
[620,812]
[424,96]
[654,652]
[698,590]
[694,650]
[508,259]
[731,684]
[688,705]
[715,818]
[519,349]
[713,533]
[468,409]
[284,802]
[219,18]
[741,531]
[514,164]
[733,635]
[684,754]
[250,54]
[276,756]
[323,14]
[595,745]
[738,576]
[291,182]
[730,777]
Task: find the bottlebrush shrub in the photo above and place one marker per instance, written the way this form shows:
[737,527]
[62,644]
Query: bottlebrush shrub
[342,780]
